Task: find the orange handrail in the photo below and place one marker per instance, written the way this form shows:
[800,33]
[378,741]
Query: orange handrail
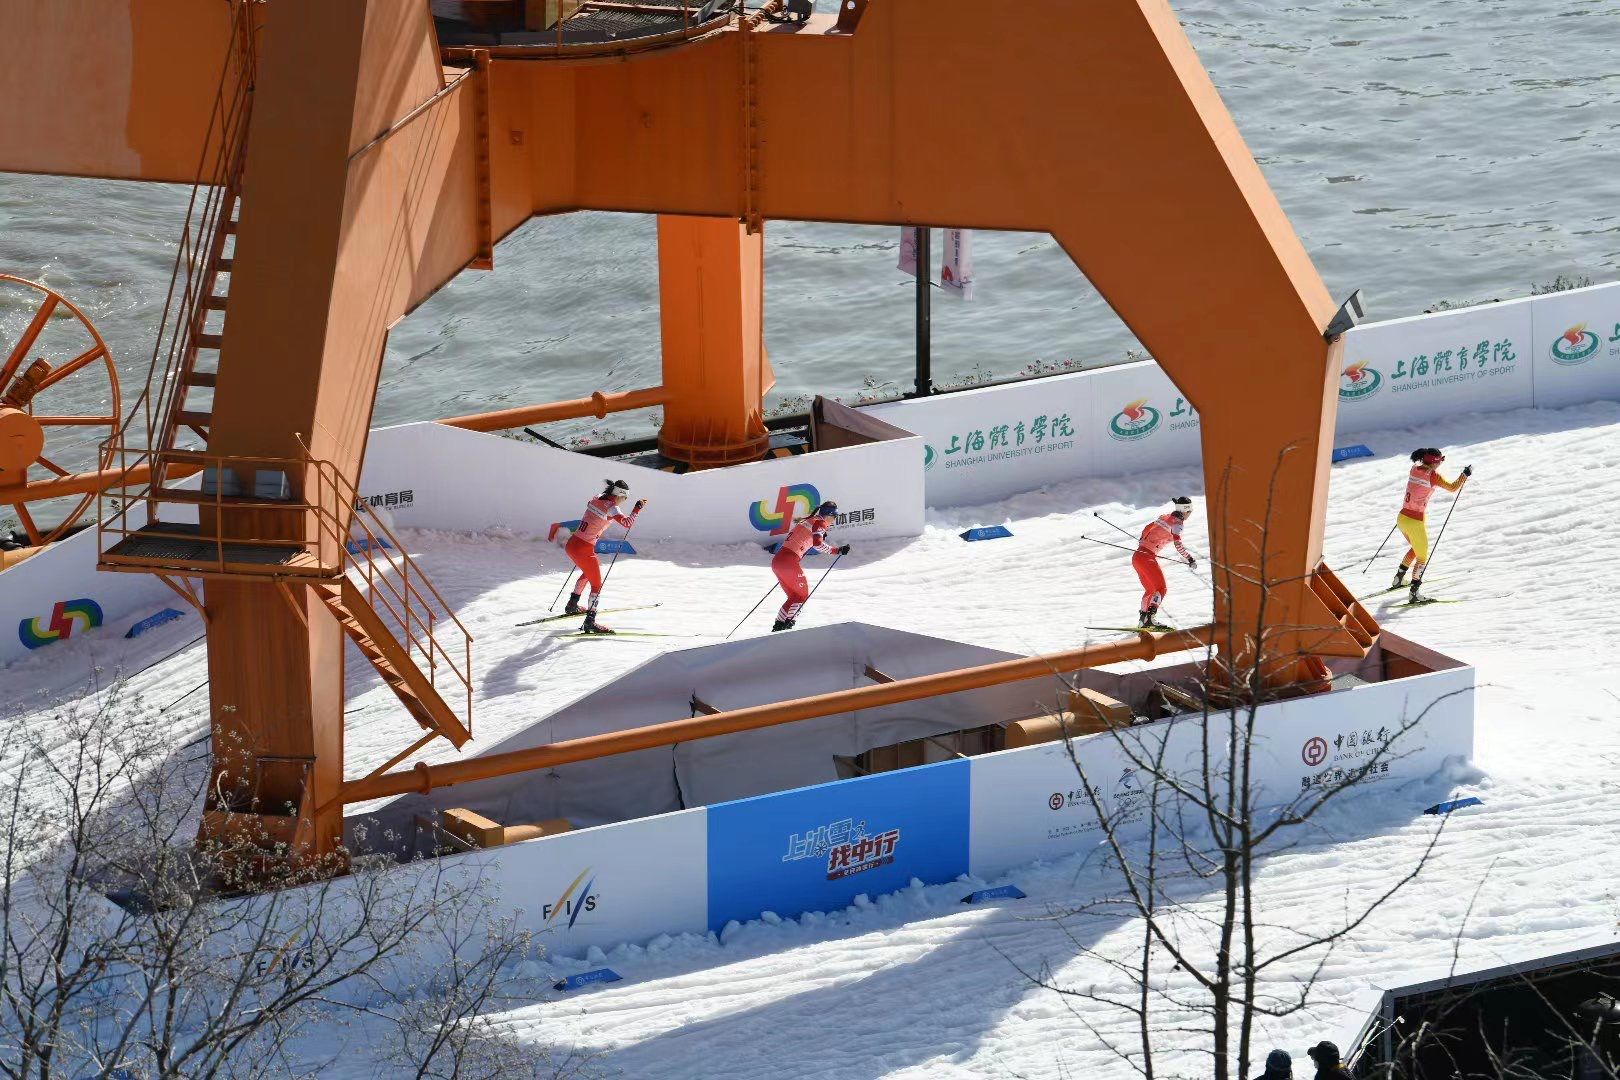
[597,405]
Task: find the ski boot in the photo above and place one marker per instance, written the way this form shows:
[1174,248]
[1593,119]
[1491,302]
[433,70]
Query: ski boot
[782,624]
[573,607]
[1149,620]
[1414,596]
[1144,619]
[1400,578]
[592,626]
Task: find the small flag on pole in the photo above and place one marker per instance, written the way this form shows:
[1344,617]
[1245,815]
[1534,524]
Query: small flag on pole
[908,250]
[956,272]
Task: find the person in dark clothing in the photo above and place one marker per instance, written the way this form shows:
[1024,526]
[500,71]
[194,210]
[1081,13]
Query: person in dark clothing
[1326,1056]
[1279,1066]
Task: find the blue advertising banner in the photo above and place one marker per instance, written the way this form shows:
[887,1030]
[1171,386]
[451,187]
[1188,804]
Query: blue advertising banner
[816,848]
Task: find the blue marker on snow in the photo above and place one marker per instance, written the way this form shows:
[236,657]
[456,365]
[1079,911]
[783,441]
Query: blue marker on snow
[1454,804]
[987,532]
[1345,453]
[1003,892]
[585,978]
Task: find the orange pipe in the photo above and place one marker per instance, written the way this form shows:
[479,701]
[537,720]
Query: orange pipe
[597,405]
[86,483]
[425,777]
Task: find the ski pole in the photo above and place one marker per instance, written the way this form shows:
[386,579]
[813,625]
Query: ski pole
[1125,532]
[818,584]
[1380,550]
[566,580]
[615,558]
[1435,547]
[751,611]
[1133,551]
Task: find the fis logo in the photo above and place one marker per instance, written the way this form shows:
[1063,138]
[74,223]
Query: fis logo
[1137,420]
[573,902]
[65,617]
[1575,346]
[791,504]
[1359,381]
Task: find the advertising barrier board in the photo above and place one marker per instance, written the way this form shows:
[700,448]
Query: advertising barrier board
[1408,371]
[432,476]
[1030,804]
[815,849]
[1576,346]
[985,444]
[58,595]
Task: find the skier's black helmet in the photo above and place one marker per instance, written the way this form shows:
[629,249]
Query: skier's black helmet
[615,489]
[1428,455]
[828,509]
[1181,504]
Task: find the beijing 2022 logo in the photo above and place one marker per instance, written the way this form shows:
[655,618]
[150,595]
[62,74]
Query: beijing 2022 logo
[1574,346]
[791,503]
[1137,420]
[1359,381]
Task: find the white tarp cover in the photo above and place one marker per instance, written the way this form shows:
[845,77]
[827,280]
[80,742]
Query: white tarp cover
[737,674]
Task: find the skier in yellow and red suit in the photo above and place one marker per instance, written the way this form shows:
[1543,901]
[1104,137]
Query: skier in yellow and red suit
[1420,485]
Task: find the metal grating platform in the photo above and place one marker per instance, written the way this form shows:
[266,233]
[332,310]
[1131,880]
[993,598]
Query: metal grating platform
[171,550]
[484,23]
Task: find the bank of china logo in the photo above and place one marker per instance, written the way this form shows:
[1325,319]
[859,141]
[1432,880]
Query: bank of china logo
[1137,420]
[1575,346]
[67,616]
[928,457]
[1359,381]
[791,503]
[574,902]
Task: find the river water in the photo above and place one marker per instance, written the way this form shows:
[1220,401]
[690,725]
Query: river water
[1426,151]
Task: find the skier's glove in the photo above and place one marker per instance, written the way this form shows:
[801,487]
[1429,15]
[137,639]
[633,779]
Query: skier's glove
[1468,470]
[844,550]
[640,503]
[1192,563]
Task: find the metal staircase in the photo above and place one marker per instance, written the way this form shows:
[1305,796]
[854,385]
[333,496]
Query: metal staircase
[249,525]
[175,409]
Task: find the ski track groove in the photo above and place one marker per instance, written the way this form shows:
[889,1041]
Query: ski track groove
[911,985]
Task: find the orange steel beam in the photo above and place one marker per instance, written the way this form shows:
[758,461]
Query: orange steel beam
[424,777]
[120,89]
[598,405]
[86,483]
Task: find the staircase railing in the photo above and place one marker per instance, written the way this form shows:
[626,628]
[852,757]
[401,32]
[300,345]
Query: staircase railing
[202,239]
[396,588]
[239,507]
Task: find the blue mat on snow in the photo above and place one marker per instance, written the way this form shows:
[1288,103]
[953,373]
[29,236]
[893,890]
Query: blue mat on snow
[1346,453]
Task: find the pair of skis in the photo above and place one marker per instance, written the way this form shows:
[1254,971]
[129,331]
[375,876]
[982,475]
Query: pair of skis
[608,611]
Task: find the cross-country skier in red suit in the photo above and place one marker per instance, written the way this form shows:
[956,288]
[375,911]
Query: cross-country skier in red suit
[807,535]
[582,548]
[1161,532]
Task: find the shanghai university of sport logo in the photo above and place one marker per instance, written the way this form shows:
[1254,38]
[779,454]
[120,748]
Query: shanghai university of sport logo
[67,616]
[1137,420]
[1359,381]
[1575,346]
[792,503]
[929,457]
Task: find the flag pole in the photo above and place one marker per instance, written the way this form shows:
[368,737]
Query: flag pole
[925,325]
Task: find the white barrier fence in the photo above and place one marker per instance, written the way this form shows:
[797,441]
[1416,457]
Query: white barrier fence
[1545,351]
[436,477]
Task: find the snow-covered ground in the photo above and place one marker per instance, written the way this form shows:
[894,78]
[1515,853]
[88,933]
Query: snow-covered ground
[917,985]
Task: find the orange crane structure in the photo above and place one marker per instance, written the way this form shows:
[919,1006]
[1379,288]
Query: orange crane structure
[351,158]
